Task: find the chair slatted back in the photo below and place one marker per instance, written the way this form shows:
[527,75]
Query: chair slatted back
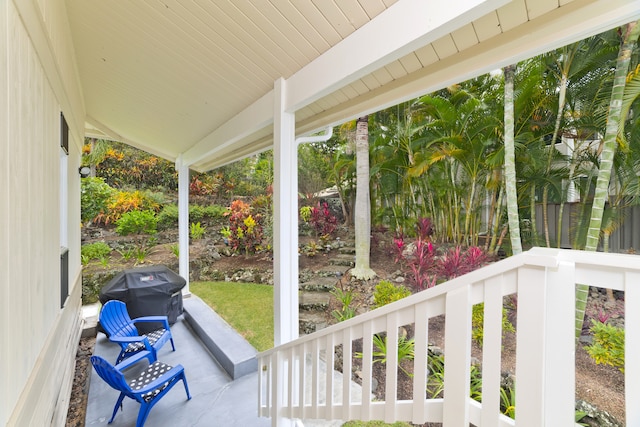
[115,319]
[112,376]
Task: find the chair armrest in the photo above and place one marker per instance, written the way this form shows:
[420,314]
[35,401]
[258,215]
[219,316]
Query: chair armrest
[160,319]
[161,380]
[130,361]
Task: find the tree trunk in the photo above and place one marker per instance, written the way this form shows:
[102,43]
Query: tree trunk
[510,162]
[362,214]
[609,146]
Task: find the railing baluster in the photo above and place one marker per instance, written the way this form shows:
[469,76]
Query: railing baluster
[529,345]
[293,382]
[302,367]
[420,361]
[315,381]
[491,351]
[328,391]
[346,374]
[457,356]
[367,335]
[391,383]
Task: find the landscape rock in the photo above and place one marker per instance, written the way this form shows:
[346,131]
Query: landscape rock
[596,417]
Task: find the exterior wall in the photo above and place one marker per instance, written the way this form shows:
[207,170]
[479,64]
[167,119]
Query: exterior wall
[39,212]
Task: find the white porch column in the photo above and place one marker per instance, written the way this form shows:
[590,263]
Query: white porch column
[285,234]
[183,221]
[285,224]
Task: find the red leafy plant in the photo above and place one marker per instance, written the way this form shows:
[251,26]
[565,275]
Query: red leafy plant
[323,221]
[422,265]
[455,263]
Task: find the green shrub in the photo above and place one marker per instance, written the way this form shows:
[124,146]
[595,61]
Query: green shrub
[196,212]
[168,217]
[214,211]
[97,250]
[196,231]
[386,293]
[94,197]
[608,345]
[345,298]
[136,222]
[122,202]
[175,249]
[140,253]
[477,323]
[305,213]
[126,253]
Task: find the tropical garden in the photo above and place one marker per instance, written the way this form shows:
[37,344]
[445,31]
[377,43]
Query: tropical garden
[437,186]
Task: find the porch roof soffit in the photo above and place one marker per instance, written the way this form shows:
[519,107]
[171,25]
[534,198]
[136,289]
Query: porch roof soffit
[363,59]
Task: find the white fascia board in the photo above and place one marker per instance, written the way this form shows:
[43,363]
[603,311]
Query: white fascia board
[250,120]
[404,27]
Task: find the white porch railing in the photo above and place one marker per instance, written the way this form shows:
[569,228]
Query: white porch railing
[293,385]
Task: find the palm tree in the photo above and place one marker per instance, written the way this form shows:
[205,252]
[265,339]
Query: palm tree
[459,134]
[630,35]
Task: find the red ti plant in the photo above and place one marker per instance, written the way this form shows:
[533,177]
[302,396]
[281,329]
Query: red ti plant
[451,264]
[323,221]
[455,263]
[398,247]
[422,264]
[475,258]
[424,229]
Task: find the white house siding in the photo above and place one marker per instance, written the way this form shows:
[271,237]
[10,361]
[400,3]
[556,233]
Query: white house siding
[38,338]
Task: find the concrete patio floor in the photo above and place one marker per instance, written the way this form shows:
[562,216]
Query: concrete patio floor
[217,399]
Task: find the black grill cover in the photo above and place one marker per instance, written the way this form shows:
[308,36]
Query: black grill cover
[147,291]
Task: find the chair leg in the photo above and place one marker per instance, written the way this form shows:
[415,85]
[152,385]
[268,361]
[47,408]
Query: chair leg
[115,408]
[183,377]
[145,408]
[172,345]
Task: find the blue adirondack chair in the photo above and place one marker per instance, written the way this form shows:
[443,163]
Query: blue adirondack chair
[147,388]
[121,329]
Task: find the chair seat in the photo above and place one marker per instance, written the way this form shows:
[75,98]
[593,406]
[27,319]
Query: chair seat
[152,373]
[153,337]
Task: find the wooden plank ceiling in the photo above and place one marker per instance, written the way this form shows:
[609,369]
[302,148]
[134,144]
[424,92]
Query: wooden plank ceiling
[194,78]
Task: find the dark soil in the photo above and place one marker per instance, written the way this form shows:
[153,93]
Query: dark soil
[602,386]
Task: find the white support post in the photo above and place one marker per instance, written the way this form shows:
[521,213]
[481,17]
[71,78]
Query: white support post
[632,347]
[285,224]
[545,361]
[183,221]
[285,234]
[559,347]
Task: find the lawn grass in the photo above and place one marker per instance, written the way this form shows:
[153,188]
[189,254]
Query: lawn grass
[247,307]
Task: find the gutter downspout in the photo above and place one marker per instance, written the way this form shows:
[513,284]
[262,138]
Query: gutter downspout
[316,138]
